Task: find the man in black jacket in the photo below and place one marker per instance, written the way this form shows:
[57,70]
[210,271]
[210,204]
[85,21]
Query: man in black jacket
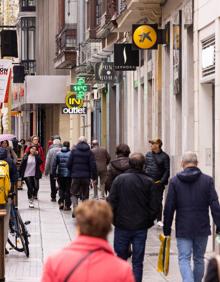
[82,166]
[190,194]
[157,166]
[135,207]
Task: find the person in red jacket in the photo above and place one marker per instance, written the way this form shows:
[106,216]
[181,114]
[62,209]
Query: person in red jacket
[35,142]
[90,257]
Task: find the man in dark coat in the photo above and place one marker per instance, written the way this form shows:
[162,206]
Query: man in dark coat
[61,170]
[134,207]
[190,194]
[102,158]
[157,166]
[82,166]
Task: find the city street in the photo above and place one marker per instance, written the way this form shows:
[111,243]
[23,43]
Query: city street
[51,229]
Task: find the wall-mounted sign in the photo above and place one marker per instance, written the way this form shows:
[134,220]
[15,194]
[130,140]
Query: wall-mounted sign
[125,58]
[80,88]
[145,36]
[177,54]
[72,101]
[75,110]
[105,72]
[5,72]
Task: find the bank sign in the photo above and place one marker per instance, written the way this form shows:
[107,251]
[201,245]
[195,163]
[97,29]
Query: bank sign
[74,105]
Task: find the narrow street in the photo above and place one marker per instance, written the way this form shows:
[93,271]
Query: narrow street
[51,229]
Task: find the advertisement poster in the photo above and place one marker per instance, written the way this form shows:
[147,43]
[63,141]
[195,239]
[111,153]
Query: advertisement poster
[5,69]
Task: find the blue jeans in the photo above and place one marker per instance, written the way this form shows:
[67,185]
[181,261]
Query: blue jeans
[122,241]
[187,247]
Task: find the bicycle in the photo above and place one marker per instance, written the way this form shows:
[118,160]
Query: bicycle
[18,234]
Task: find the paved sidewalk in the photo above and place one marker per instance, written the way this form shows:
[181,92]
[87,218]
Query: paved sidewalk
[51,229]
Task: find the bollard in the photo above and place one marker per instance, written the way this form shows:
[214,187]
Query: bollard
[2,244]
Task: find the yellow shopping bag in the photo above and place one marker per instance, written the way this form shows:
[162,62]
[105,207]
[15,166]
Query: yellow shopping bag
[164,254]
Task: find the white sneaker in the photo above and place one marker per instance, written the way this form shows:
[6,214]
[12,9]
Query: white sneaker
[160,223]
[31,204]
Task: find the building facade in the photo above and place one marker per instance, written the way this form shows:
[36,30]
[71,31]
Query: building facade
[46,50]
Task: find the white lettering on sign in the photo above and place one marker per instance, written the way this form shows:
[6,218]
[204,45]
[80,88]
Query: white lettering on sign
[75,110]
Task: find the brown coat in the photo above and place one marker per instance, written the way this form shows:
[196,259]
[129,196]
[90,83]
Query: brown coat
[102,158]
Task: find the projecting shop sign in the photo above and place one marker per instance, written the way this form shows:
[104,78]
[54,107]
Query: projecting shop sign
[104,72]
[125,58]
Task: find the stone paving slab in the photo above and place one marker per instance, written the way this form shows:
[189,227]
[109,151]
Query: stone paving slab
[51,229]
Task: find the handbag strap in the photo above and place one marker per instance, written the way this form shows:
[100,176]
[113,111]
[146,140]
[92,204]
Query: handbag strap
[81,261]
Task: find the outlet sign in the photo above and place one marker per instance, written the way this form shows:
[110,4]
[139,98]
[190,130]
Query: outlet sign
[75,110]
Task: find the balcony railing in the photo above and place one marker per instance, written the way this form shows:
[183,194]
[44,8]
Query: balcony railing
[66,47]
[27,5]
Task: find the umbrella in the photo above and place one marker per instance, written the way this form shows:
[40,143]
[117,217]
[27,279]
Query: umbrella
[8,137]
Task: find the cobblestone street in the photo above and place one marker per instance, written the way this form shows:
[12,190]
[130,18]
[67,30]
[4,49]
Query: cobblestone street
[51,229]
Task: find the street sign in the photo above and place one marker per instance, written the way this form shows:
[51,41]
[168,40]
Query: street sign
[145,36]
[125,58]
[80,88]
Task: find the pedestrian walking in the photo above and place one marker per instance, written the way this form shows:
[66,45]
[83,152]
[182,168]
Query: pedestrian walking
[21,148]
[89,257]
[190,195]
[157,166]
[60,170]
[13,179]
[50,142]
[118,165]
[102,158]
[31,173]
[35,141]
[51,155]
[10,152]
[135,206]
[82,166]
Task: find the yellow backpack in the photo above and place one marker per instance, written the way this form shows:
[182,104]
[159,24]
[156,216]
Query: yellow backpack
[5,184]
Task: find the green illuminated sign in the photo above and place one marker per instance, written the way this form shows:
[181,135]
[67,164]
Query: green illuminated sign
[80,88]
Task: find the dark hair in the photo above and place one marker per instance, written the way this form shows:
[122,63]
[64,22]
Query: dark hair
[5,141]
[123,150]
[137,161]
[22,140]
[66,144]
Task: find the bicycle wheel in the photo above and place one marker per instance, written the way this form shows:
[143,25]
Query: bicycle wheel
[23,234]
[18,235]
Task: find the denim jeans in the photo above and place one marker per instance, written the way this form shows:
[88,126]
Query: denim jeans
[123,239]
[187,247]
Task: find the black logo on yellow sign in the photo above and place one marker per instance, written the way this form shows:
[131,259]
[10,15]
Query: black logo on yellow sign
[145,36]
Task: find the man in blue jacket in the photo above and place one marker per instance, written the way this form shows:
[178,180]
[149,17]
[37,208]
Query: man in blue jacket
[61,170]
[82,166]
[191,194]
